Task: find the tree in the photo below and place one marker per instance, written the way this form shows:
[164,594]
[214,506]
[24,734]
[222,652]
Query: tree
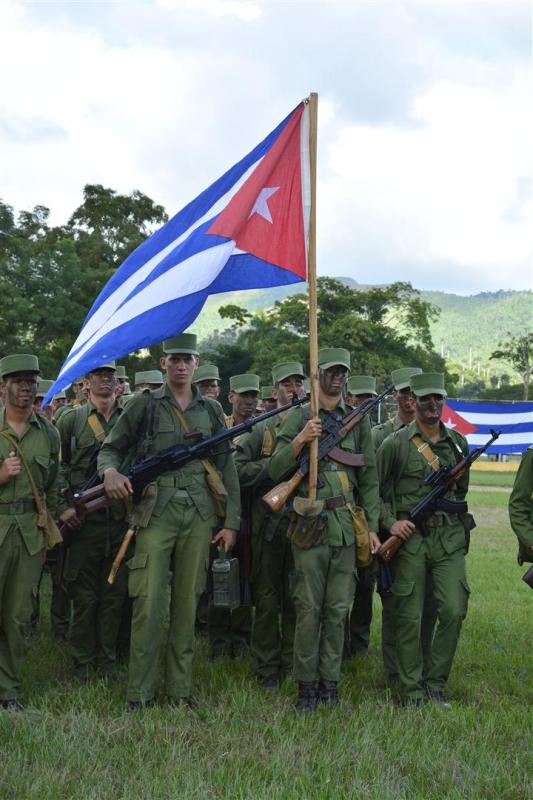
[518,351]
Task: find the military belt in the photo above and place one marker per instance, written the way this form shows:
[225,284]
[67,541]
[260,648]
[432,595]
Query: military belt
[175,481]
[17,507]
[337,502]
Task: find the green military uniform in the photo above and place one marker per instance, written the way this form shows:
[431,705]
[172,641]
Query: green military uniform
[21,540]
[177,535]
[521,507]
[273,564]
[97,605]
[324,573]
[230,632]
[440,554]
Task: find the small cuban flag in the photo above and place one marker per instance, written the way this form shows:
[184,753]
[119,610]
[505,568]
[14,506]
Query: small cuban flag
[248,230]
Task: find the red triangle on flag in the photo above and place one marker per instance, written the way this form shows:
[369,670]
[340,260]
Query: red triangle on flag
[453,420]
[265,217]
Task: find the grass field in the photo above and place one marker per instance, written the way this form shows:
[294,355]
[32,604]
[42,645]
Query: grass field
[74,742]
[479,478]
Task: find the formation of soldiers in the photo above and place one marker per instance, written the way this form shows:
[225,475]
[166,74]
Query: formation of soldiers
[307,591]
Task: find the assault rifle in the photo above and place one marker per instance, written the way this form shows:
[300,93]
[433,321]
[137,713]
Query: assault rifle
[173,458]
[334,431]
[440,481]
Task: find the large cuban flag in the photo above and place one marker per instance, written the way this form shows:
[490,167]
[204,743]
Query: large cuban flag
[248,230]
[475,420]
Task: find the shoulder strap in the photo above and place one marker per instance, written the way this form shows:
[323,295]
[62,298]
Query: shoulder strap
[426,452]
[206,464]
[97,428]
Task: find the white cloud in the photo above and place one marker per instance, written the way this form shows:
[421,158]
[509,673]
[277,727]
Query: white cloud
[437,192]
[242,9]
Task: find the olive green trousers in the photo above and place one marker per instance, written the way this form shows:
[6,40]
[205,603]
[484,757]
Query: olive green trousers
[175,542]
[275,618]
[420,558]
[19,580]
[323,591]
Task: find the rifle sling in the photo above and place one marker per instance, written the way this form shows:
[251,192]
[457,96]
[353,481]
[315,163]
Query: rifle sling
[206,464]
[426,452]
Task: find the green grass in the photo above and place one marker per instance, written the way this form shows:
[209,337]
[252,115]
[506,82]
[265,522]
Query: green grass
[77,742]
[480,478]
[489,499]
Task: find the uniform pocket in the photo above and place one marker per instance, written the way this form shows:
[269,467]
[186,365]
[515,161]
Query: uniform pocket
[403,588]
[138,575]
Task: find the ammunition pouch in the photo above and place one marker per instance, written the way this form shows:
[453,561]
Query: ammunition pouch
[307,522]
[363,556]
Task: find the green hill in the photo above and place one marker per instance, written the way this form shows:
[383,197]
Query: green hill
[477,321]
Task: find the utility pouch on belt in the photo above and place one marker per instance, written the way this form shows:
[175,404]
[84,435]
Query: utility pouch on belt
[226,582]
[215,484]
[363,556]
[468,522]
[306,524]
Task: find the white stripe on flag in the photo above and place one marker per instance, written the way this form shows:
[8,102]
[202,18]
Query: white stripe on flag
[526,437]
[189,276]
[111,303]
[495,420]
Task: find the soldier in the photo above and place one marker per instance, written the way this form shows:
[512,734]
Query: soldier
[357,637]
[406,404]
[324,569]
[229,632]
[405,459]
[273,565]
[42,388]
[401,378]
[207,380]
[97,605]
[148,379]
[268,401]
[521,507]
[29,467]
[122,386]
[177,529]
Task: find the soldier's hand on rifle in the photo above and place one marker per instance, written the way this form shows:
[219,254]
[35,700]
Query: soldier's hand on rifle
[402,528]
[117,486]
[70,519]
[375,543]
[10,468]
[228,537]
[312,430]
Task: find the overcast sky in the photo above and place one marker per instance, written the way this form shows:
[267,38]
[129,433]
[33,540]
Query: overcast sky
[425,119]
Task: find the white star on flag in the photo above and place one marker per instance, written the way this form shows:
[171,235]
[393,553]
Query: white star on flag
[261,205]
[450,424]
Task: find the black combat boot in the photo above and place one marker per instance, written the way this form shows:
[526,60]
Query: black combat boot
[306,702]
[327,692]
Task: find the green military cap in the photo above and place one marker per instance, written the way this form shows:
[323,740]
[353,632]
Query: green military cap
[184,343]
[333,357]
[428,383]
[286,368]
[121,372]
[401,378]
[206,372]
[361,384]
[148,376]
[244,383]
[60,396]
[18,363]
[109,365]
[43,386]
[266,392]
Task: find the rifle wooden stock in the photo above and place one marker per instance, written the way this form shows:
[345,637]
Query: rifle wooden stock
[389,548]
[278,496]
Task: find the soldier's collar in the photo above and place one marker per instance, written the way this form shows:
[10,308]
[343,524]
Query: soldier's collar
[340,405]
[164,391]
[414,430]
[33,419]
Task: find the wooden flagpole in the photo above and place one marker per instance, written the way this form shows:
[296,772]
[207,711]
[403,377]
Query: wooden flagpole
[311,278]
